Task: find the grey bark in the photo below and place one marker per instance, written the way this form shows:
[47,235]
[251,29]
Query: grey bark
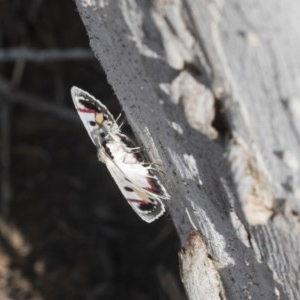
[176,66]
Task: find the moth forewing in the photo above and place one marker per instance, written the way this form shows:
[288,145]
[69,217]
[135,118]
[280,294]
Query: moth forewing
[93,114]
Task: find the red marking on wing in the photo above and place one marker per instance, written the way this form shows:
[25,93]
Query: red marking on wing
[153,187]
[137,156]
[137,201]
[86,110]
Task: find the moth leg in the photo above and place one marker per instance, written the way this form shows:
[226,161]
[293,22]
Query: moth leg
[133,150]
[137,149]
[156,167]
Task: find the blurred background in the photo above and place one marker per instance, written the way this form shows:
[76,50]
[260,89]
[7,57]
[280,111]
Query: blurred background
[65,230]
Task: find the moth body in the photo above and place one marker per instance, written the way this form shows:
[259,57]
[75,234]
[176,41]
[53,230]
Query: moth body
[132,173]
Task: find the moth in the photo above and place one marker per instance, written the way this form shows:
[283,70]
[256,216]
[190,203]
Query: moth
[132,172]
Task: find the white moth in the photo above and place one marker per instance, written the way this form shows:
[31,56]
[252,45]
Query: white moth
[134,176]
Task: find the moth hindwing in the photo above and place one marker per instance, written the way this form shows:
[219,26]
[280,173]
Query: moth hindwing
[132,173]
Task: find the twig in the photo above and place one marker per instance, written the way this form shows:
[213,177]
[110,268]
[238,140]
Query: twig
[12,54]
[6,191]
[35,103]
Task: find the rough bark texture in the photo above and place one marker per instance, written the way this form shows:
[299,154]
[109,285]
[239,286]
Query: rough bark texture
[211,88]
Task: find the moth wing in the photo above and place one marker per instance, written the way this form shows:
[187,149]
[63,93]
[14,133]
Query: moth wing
[93,114]
[142,196]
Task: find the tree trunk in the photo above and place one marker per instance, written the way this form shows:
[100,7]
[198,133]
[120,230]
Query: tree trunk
[210,87]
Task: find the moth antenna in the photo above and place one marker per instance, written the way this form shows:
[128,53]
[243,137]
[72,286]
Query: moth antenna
[146,149]
[121,125]
[119,116]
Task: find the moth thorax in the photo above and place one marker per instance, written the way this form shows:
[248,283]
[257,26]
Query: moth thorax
[99,118]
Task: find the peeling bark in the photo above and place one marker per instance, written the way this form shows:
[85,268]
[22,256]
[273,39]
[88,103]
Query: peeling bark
[196,264]
[212,89]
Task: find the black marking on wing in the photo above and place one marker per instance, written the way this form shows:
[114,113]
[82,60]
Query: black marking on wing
[106,148]
[89,105]
[127,141]
[146,206]
[128,189]
[92,123]
[130,144]
[150,172]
